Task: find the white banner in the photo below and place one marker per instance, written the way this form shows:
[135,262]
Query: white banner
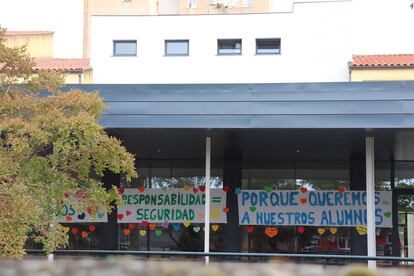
[313,208]
[70,215]
[171,205]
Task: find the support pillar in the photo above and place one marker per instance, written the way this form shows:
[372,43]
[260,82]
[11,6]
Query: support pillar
[370,190]
[207,205]
[108,232]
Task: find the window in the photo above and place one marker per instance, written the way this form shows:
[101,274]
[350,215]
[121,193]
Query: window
[192,4]
[268,46]
[176,47]
[229,46]
[125,48]
[246,3]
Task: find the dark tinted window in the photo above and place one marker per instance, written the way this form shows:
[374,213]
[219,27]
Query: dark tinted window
[268,46]
[229,46]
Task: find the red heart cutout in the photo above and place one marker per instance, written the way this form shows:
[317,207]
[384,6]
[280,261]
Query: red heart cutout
[226,210]
[249,229]
[92,228]
[144,223]
[303,189]
[68,218]
[202,188]
[301,229]
[303,200]
[128,213]
[89,210]
[121,190]
[141,188]
[126,231]
[74,230]
[341,189]
[120,216]
[131,226]
[152,226]
[195,190]
[226,188]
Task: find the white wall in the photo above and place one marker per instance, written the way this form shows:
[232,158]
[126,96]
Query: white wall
[315,47]
[64,17]
[318,40]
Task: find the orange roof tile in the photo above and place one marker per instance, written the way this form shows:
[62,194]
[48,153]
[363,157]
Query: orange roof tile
[15,33]
[406,60]
[62,64]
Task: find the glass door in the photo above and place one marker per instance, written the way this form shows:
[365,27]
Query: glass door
[405,205]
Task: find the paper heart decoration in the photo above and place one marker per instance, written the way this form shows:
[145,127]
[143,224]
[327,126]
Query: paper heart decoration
[226,188]
[74,230]
[176,227]
[202,188]
[249,229]
[152,226]
[66,229]
[126,231]
[101,214]
[196,229]
[215,227]
[142,232]
[165,224]
[321,231]
[252,208]
[128,213]
[186,188]
[362,229]
[92,228]
[301,229]
[141,188]
[226,210]
[303,200]
[200,215]
[84,234]
[303,189]
[387,214]
[271,232]
[186,223]
[121,190]
[195,190]
[120,216]
[144,223]
[81,216]
[333,230]
[68,218]
[268,189]
[132,226]
[90,210]
[341,189]
[158,232]
[215,213]
[164,188]
[237,191]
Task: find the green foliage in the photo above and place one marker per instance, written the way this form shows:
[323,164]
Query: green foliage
[51,150]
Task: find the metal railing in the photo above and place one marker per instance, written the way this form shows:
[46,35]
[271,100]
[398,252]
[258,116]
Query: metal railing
[233,255]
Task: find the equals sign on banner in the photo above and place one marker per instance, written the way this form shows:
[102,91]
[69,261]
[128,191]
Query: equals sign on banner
[216,199]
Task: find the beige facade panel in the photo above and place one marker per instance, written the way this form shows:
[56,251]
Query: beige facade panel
[38,45]
[381,74]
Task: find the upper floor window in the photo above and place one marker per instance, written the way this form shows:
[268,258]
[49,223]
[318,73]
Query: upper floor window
[268,46]
[176,47]
[229,46]
[125,48]
[246,3]
[192,4]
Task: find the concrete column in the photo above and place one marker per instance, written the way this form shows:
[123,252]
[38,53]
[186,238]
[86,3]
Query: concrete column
[207,205]
[108,232]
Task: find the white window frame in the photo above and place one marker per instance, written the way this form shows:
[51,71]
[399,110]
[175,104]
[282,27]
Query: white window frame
[246,3]
[192,4]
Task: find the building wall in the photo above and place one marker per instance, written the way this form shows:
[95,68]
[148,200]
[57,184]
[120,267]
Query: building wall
[316,50]
[382,74]
[40,45]
[74,78]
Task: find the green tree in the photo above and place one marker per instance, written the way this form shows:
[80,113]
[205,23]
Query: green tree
[51,151]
